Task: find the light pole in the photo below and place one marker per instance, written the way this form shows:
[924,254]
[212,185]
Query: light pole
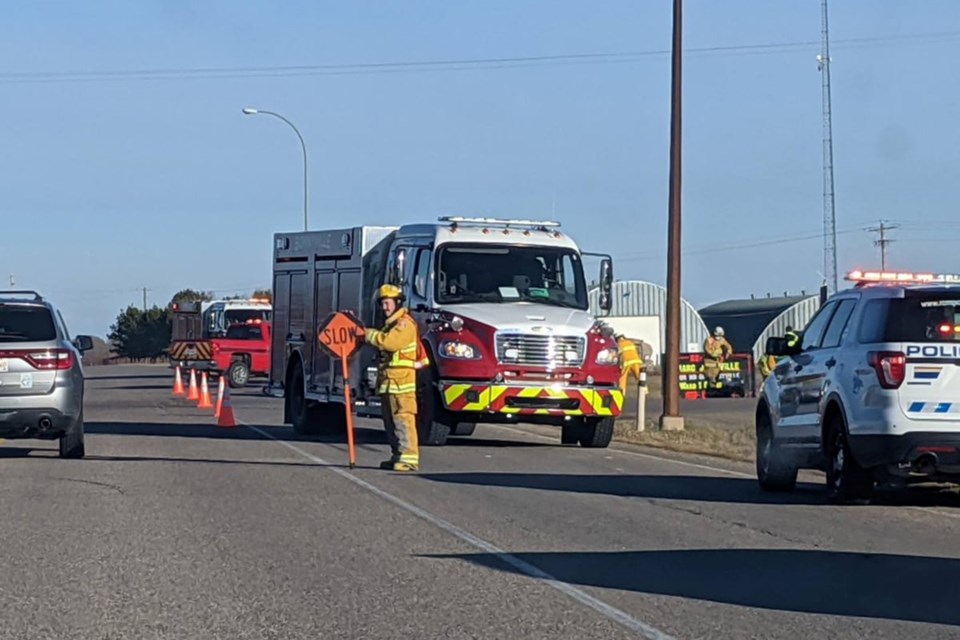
[253,112]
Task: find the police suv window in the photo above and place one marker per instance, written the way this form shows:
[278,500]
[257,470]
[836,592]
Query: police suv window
[838,325]
[919,317]
[814,331]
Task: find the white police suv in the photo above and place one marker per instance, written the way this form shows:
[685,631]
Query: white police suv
[871,393]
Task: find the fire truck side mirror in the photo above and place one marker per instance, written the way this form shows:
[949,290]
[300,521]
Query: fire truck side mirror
[398,268]
[606,284]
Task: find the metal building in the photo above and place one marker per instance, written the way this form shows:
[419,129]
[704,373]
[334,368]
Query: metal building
[637,299]
[748,323]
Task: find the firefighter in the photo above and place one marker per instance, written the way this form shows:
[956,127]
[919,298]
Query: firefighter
[630,362]
[766,365]
[792,337]
[716,349]
[401,355]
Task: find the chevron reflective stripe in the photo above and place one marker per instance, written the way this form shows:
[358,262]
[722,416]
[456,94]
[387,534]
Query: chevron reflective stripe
[524,400]
[183,350]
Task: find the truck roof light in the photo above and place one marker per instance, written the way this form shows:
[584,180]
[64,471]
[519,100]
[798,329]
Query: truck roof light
[456,221]
[900,277]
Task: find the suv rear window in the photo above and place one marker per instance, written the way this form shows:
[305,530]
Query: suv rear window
[26,323]
[914,318]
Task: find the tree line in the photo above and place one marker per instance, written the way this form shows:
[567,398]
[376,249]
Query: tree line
[140,334]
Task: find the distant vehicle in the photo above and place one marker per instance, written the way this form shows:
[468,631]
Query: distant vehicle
[195,324]
[41,373]
[872,392]
[243,352]
[503,313]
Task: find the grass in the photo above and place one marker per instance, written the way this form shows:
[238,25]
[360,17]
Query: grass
[697,437]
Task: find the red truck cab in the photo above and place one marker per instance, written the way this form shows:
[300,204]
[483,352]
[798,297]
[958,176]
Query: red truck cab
[243,352]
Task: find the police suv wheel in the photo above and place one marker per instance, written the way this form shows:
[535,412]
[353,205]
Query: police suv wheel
[71,443]
[847,481]
[774,473]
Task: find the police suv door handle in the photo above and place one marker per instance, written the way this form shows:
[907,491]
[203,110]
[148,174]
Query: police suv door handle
[831,363]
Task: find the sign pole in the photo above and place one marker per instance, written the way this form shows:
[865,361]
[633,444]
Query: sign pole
[338,336]
[349,407]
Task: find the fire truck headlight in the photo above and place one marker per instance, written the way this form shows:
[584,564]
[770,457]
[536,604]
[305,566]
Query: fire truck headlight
[608,356]
[459,351]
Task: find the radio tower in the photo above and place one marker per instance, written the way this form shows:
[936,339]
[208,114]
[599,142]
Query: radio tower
[829,217]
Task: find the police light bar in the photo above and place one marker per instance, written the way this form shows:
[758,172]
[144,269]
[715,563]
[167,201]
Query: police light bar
[900,277]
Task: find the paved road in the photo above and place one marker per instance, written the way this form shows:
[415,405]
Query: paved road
[174,529]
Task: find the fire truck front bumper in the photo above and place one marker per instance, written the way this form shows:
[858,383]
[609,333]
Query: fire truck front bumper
[531,400]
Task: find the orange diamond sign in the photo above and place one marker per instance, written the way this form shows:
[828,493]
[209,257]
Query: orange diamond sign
[338,334]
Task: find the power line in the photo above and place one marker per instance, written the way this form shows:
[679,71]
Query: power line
[187,73]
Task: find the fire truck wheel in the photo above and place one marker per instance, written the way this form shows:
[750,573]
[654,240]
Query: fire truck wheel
[597,433]
[303,419]
[430,430]
[464,429]
[238,374]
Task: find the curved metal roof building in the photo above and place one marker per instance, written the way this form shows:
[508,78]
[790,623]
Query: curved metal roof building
[638,298]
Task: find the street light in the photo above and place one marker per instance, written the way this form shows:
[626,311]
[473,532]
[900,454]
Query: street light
[248,111]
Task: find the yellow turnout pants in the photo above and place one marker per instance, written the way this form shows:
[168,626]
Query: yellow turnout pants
[629,370]
[400,423]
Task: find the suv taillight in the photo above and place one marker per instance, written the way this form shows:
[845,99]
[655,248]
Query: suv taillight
[46,359]
[891,367]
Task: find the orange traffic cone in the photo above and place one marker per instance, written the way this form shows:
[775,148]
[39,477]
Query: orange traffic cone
[226,418]
[205,401]
[193,394]
[178,384]
[216,413]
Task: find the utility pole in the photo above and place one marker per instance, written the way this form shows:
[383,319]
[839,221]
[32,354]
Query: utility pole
[883,241]
[671,420]
[145,299]
[13,281]
[829,216]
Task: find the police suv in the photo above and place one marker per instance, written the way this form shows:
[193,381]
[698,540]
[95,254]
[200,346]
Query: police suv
[871,393]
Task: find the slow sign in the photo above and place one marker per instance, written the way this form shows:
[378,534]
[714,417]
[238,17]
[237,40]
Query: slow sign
[338,335]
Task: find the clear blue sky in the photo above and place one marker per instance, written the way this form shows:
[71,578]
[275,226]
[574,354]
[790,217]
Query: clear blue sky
[110,186]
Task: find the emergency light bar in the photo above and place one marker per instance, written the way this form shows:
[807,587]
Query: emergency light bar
[899,277]
[498,222]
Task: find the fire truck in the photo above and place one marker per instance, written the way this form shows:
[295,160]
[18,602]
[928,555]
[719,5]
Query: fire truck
[195,324]
[502,310]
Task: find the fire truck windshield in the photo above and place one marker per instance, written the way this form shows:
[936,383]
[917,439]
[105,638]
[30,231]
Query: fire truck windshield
[468,273]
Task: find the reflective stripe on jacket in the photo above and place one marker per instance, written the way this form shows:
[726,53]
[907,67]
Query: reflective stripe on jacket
[401,353]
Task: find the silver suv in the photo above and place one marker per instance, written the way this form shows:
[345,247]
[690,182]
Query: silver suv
[41,373]
[872,391]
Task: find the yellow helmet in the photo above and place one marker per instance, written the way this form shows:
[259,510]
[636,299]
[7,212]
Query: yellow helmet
[389,291]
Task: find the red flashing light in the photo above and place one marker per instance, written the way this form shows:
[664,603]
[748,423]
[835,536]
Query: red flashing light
[902,277]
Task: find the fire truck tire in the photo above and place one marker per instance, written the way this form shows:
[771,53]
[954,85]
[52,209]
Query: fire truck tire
[430,430]
[596,433]
[238,375]
[464,429]
[303,417]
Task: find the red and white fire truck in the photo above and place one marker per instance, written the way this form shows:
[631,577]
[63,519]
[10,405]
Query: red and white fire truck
[503,312]
[195,324]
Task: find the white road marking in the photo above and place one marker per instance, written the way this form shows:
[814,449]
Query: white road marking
[620,617]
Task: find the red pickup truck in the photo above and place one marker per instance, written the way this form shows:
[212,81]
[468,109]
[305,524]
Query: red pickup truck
[243,352]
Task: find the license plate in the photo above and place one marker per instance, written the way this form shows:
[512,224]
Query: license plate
[4,365]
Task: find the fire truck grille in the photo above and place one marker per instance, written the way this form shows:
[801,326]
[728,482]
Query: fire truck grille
[541,351]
